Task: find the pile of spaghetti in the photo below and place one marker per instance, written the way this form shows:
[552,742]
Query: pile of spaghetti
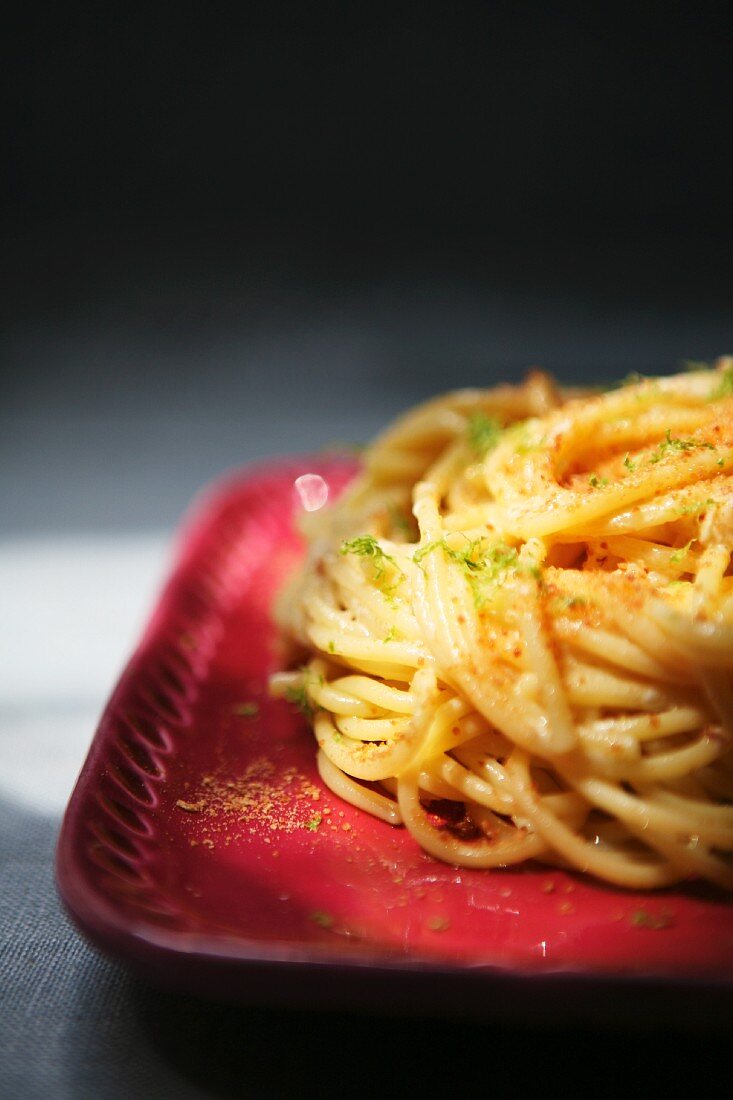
[516,628]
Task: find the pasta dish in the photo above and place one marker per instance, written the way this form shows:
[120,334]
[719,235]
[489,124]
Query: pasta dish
[516,628]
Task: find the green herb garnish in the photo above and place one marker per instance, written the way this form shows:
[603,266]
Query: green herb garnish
[569,603]
[485,564]
[597,482]
[400,520]
[298,693]
[319,916]
[672,445]
[484,433]
[641,918]
[366,546]
[314,823]
[299,696]
[633,378]
[681,554]
[724,387]
[696,507]
[246,710]
[521,434]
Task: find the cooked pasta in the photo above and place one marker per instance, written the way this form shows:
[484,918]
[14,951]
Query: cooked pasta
[517,629]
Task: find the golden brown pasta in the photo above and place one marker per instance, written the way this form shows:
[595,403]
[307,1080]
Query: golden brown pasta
[518,624]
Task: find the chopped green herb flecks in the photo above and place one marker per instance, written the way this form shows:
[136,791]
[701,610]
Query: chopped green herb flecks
[400,521]
[629,463]
[633,378]
[298,693]
[570,603]
[648,386]
[671,445]
[696,507]
[319,916]
[522,436]
[642,918]
[484,433]
[246,710]
[366,546]
[315,823]
[390,635]
[299,696]
[485,564]
[597,482]
[681,554]
[724,387]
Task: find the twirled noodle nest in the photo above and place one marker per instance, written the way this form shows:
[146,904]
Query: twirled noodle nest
[515,629]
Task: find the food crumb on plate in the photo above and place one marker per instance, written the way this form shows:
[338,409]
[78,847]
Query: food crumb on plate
[438,924]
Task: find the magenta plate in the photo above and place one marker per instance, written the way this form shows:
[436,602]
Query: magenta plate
[200,846]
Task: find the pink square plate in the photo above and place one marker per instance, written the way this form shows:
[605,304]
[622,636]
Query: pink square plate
[200,847]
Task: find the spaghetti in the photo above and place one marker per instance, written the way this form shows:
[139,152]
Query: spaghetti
[518,629]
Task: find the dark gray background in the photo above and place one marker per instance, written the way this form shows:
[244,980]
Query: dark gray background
[233,231]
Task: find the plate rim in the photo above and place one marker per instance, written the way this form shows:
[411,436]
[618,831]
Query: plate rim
[154,948]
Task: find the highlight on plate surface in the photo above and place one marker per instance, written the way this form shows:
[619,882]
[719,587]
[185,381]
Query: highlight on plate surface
[515,629]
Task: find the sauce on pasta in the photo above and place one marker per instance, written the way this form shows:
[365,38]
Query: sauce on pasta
[516,628]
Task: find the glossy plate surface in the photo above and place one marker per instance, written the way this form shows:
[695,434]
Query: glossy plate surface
[200,846]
